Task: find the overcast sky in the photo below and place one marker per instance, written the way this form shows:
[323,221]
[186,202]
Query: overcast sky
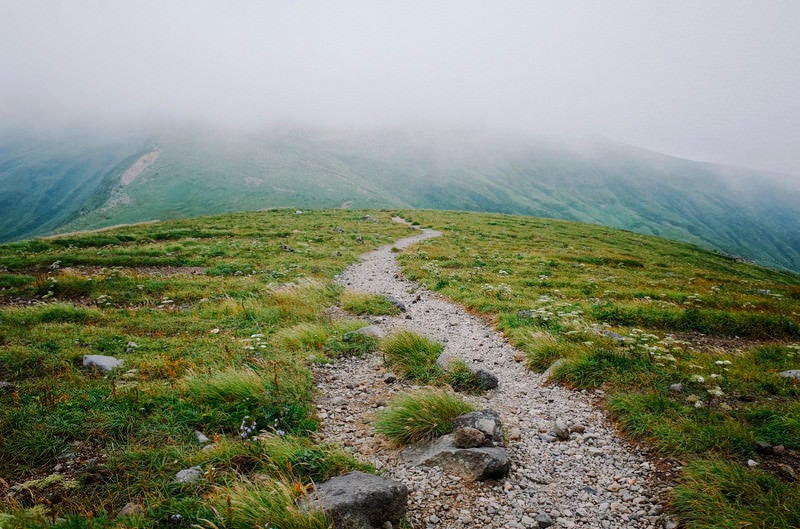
[708,80]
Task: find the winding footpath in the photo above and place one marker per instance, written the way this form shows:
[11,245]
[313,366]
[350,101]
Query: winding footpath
[594,479]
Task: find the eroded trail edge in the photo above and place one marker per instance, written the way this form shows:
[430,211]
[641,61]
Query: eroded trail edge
[594,479]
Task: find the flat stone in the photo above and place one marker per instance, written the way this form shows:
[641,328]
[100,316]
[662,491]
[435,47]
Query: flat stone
[360,501]
[102,362]
[791,373]
[201,437]
[472,464]
[676,388]
[543,520]
[397,303]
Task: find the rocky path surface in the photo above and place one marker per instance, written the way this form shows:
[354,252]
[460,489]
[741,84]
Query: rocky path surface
[593,479]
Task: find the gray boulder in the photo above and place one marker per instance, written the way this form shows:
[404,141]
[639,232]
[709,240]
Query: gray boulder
[359,501]
[791,373]
[102,362]
[486,379]
[472,464]
[189,475]
[487,421]
[396,302]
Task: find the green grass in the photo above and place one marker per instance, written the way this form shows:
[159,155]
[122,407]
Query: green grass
[412,417]
[364,304]
[412,355]
[223,353]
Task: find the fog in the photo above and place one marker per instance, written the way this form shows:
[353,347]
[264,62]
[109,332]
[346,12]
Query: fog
[707,80]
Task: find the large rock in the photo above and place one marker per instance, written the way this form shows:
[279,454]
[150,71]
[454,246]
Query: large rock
[360,501]
[472,464]
[487,421]
[486,379]
[102,362]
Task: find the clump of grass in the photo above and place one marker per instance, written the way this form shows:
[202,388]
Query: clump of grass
[363,304]
[461,378]
[303,299]
[267,505]
[544,349]
[412,355]
[413,417]
[607,368]
[727,495]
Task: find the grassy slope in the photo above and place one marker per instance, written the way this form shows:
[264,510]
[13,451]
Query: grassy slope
[216,351]
[44,183]
[555,289]
[570,280]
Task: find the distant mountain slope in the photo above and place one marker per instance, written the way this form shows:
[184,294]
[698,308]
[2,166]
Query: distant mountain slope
[737,211]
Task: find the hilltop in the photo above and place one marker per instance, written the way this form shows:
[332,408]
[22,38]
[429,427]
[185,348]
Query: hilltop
[86,183]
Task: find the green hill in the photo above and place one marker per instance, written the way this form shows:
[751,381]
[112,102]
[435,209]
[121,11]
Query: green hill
[736,211]
[218,318]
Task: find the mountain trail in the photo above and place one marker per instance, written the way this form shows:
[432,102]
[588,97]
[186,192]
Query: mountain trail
[595,479]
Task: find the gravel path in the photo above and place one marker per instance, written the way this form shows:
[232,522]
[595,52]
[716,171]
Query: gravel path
[594,479]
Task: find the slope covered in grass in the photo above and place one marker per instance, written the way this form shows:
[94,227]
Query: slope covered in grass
[202,313]
[686,345]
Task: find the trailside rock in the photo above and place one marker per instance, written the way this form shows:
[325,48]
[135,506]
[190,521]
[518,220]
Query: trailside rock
[396,302]
[487,421]
[486,379]
[102,362]
[548,373]
[472,464]
[468,438]
[561,429]
[360,501]
[791,373]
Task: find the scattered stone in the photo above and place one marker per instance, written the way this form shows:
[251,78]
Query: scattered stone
[215,330]
[791,373]
[560,429]
[397,303]
[486,379]
[131,347]
[577,428]
[763,447]
[671,523]
[189,475]
[487,421]
[621,340]
[102,362]
[548,374]
[543,520]
[6,386]
[360,501]
[201,437]
[389,378]
[787,471]
[514,434]
[286,248]
[468,438]
[130,509]
[374,331]
[676,388]
[778,450]
[752,463]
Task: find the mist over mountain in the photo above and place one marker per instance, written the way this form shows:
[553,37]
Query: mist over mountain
[86,181]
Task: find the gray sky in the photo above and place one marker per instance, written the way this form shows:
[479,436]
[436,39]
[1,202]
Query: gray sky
[709,80]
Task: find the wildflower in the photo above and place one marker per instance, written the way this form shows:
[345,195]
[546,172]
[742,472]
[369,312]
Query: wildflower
[723,362]
[716,391]
[698,378]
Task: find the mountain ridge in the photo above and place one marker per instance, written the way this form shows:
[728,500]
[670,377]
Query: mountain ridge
[736,211]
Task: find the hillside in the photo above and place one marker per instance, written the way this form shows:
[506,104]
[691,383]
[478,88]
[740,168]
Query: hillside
[736,211]
[231,325]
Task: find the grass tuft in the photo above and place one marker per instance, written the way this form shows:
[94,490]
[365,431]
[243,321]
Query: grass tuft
[413,417]
[412,355]
[365,304]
